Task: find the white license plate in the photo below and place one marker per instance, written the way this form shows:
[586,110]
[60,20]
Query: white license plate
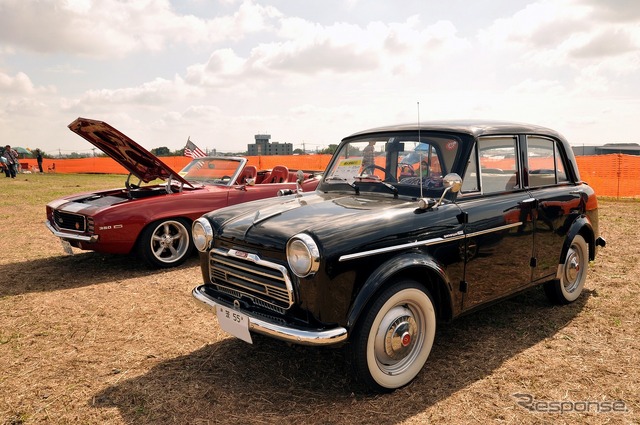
[66,247]
[234,322]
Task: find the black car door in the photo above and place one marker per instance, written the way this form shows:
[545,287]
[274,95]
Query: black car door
[557,202]
[499,226]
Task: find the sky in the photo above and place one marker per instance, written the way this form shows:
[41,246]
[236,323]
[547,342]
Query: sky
[312,72]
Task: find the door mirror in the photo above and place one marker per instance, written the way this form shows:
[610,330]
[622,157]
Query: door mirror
[453,182]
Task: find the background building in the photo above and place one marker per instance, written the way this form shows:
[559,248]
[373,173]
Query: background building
[608,148]
[262,146]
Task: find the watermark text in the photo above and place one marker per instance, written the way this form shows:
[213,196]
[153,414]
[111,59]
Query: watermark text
[568,406]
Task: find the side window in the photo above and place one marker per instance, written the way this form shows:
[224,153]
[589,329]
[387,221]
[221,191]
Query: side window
[544,162]
[498,157]
[422,160]
[471,182]
[561,174]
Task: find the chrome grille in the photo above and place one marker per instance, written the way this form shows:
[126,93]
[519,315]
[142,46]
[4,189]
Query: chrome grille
[69,221]
[244,275]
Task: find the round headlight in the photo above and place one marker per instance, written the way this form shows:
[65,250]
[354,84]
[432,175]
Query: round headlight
[303,255]
[202,234]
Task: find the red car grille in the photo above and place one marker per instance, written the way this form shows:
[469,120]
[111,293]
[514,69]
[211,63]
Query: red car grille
[69,221]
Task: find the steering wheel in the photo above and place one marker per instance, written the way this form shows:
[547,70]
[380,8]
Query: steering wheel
[371,167]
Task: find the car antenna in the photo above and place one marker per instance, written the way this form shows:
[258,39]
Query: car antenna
[419,154]
[423,203]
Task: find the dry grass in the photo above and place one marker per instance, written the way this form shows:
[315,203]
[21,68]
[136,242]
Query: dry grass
[101,339]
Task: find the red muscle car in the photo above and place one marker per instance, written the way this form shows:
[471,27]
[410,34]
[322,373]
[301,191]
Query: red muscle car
[154,220]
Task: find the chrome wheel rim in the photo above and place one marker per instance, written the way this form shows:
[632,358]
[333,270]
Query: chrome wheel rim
[399,338]
[170,241]
[573,269]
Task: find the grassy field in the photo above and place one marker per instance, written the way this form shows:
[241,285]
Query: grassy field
[100,339]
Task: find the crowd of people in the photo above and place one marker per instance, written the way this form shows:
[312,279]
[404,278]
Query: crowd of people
[10,161]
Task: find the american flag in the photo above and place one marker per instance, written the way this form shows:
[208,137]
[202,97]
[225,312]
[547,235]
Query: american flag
[192,150]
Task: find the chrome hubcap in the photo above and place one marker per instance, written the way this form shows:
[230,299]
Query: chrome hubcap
[572,270]
[396,336]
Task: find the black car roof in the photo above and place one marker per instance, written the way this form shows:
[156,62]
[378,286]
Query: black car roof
[472,127]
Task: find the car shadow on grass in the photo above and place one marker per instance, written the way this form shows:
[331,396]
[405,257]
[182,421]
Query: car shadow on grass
[232,382]
[73,271]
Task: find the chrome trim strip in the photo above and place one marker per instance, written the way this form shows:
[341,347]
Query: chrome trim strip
[427,242]
[71,236]
[296,336]
[495,229]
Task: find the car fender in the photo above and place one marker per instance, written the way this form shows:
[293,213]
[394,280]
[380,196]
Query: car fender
[581,225]
[392,268]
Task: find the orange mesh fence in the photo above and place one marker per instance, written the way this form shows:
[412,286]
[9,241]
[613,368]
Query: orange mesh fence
[613,175]
[293,162]
[105,165]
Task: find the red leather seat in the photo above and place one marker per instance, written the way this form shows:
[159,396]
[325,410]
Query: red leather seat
[249,172]
[279,174]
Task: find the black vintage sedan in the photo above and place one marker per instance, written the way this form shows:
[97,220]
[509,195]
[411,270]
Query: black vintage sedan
[410,225]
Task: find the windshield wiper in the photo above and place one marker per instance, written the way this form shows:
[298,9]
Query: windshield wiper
[391,187]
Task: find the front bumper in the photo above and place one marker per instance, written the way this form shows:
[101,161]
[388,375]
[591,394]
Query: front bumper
[293,335]
[71,236]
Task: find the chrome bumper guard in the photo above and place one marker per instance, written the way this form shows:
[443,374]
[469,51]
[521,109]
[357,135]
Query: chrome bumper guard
[71,236]
[288,334]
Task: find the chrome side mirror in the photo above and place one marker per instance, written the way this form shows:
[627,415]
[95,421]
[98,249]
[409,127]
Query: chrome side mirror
[453,182]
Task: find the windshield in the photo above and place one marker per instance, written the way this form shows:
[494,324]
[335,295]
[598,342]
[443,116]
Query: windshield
[219,171]
[402,160]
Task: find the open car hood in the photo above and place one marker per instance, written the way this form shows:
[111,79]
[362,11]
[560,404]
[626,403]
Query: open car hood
[136,159]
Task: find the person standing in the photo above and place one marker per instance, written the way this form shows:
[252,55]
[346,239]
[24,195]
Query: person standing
[12,160]
[368,155]
[39,158]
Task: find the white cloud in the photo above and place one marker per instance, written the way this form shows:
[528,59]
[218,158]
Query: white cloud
[113,29]
[563,30]
[223,65]
[153,94]
[308,50]
[615,11]
[24,106]
[576,42]
[20,84]
[606,43]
